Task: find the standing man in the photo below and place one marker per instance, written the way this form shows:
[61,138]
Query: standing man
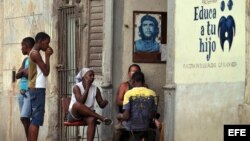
[38,70]
[24,96]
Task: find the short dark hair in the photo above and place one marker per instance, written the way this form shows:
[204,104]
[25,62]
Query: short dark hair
[156,28]
[29,41]
[134,65]
[41,36]
[138,77]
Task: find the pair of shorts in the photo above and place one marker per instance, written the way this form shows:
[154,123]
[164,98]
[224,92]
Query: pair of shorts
[37,99]
[24,105]
[72,118]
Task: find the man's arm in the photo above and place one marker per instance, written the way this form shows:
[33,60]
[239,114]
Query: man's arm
[44,66]
[22,71]
[124,116]
[126,106]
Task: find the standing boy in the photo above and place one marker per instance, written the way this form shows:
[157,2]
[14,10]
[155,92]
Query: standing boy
[38,71]
[22,74]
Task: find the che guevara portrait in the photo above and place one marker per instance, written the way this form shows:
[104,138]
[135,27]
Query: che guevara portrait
[149,35]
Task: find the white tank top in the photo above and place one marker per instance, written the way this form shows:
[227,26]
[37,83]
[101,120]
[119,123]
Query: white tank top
[90,101]
[40,79]
[36,77]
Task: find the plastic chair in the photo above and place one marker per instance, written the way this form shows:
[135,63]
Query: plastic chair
[72,128]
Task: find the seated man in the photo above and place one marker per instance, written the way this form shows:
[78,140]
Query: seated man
[82,103]
[140,106]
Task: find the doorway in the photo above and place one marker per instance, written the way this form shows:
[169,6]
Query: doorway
[68,60]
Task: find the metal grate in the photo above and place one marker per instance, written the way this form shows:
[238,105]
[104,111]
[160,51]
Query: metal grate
[68,35]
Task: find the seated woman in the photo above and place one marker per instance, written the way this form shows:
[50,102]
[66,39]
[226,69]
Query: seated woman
[82,103]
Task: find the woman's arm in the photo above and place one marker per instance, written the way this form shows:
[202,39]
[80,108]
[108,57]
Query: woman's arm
[80,97]
[102,103]
[120,94]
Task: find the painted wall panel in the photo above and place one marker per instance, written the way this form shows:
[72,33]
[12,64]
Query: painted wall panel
[204,32]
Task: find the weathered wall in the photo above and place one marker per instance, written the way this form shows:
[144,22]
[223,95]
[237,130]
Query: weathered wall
[248,51]
[18,20]
[1,40]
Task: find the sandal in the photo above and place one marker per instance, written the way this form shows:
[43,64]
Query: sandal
[107,121]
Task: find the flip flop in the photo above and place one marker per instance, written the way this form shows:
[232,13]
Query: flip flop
[107,121]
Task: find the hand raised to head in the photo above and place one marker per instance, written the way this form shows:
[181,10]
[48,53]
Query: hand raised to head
[49,51]
[87,83]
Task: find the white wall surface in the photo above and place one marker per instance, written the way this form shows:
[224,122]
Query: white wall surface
[207,98]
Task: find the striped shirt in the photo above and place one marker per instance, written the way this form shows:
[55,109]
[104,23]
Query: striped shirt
[142,104]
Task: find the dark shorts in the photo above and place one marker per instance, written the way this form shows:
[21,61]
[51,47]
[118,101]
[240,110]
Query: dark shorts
[37,99]
[71,118]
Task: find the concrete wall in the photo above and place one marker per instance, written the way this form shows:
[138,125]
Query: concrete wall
[1,44]
[202,110]
[244,109]
[18,20]
[248,51]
